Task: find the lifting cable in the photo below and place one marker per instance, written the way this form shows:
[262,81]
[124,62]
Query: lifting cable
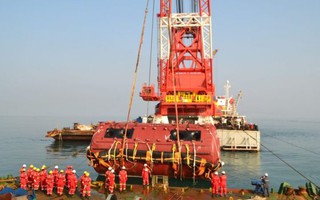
[289,165]
[151,51]
[134,79]
[175,99]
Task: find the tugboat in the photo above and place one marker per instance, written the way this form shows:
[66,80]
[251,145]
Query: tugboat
[180,139]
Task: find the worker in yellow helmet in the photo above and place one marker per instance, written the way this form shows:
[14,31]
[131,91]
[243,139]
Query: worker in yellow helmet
[86,182]
[61,182]
[81,182]
[50,182]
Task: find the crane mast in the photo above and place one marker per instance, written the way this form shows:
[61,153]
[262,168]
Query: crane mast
[185,61]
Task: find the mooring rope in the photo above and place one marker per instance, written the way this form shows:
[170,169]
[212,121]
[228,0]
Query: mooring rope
[285,162]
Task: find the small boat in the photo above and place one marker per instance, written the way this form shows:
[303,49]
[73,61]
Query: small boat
[78,132]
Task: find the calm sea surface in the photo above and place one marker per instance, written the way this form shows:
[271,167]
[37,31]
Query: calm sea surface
[22,141]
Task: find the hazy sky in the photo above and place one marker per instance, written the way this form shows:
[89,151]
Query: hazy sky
[77,57]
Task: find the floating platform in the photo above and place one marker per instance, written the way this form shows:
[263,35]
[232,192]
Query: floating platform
[239,140]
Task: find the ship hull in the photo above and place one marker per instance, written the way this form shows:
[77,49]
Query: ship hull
[157,145]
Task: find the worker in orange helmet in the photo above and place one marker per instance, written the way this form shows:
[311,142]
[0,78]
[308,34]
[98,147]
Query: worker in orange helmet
[223,184]
[72,182]
[123,177]
[50,182]
[111,178]
[86,185]
[36,179]
[215,183]
[106,183]
[61,182]
[43,177]
[145,175]
[23,179]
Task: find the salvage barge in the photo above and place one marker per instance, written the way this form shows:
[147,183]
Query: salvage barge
[79,132]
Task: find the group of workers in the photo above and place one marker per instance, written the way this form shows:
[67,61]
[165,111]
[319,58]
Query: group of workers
[35,178]
[123,177]
[219,182]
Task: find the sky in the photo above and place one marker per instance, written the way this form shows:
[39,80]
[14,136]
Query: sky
[77,57]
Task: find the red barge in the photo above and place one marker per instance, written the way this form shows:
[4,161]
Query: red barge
[180,139]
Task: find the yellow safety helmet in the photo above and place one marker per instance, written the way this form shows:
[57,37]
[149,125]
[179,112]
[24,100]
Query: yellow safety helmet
[43,167]
[87,174]
[34,168]
[61,171]
[50,172]
[31,166]
[38,170]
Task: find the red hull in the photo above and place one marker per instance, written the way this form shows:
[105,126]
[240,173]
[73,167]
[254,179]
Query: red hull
[156,144]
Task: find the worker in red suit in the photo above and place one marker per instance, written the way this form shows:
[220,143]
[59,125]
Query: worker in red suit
[68,172]
[106,183]
[32,176]
[55,173]
[86,185]
[72,182]
[81,182]
[223,184]
[36,179]
[43,177]
[215,183]
[123,177]
[50,182]
[23,179]
[145,175]
[61,182]
[29,173]
[111,178]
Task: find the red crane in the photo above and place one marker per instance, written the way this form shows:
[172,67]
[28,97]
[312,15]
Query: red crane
[185,64]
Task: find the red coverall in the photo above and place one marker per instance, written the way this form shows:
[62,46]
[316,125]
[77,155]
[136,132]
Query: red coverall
[30,179]
[86,186]
[81,183]
[215,182]
[23,180]
[123,179]
[145,176]
[55,173]
[36,180]
[43,177]
[68,172]
[50,181]
[223,184]
[72,183]
[111,178]
[61,183]
[106,183]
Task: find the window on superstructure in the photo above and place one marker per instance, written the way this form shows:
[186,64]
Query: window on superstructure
[186,135]
[117,133]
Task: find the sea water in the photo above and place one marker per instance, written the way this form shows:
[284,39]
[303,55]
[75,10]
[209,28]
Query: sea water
[289,150]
